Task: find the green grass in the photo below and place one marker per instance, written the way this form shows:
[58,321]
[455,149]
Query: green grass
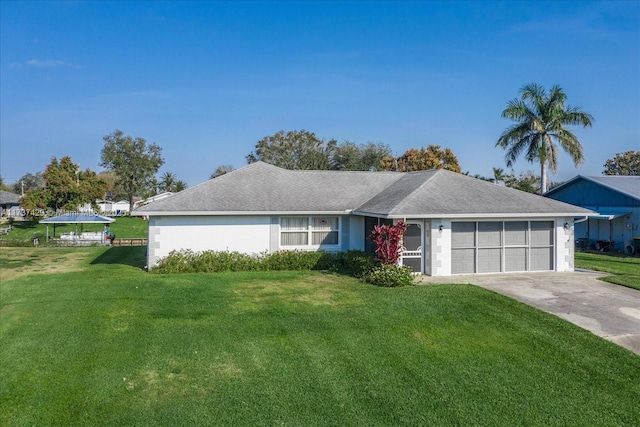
[626,268]
[107,344]
[26,231]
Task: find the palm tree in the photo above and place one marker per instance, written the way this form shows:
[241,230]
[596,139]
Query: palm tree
[541,121]
[167,181]
[498,175]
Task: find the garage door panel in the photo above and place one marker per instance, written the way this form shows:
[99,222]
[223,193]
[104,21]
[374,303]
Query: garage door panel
[515,259]
[541,233]
[463,234]
[489,260]
[515,232]
[541,259]
[489,233]
[463,261]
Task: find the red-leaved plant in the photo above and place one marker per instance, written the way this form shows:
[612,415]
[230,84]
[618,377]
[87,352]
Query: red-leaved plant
[388,240]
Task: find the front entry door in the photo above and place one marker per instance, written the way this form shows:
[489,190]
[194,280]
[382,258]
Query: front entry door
[411,255]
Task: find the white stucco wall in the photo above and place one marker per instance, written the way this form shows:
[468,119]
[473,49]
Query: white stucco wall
[255,234]
[247,234]
[565,245]
[440,247]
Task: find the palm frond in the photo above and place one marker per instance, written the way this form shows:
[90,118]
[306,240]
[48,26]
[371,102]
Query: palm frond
[552,154]
[574,116]
[535,149]
[569,143]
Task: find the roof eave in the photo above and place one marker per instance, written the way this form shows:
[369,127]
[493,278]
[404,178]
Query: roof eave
[236,213]
[491,215]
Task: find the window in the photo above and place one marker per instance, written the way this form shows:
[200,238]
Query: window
[294,231]
[315,231]
[324,230]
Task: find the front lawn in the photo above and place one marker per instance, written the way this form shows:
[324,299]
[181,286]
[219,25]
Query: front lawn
[104,343]
[626,268]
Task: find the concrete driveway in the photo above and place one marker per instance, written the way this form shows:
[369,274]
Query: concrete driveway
[610,311]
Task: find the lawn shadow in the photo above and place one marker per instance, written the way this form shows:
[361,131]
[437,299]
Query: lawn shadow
[134,256]
[25,224]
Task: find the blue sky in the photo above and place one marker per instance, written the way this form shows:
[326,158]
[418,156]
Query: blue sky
[207,80]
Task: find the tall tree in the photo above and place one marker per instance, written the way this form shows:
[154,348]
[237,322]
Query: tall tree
[431,157]
[66,188]
[299,149]
[627,163]
[541,119]
[360,157]
[133,160]
[113,192]
[222,170]
[29,181]
[527,181]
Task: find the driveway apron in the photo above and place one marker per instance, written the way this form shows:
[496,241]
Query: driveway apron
[607,310]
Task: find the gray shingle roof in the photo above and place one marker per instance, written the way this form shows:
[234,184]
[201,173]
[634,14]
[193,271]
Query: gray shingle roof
[263,188]
[446,193]
[8,198]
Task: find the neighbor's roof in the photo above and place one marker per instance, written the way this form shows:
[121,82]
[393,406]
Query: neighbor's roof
[627,185]
[78,218]
[263,188]
[9,198]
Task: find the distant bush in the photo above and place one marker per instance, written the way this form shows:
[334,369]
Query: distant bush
[355,263]
[17,243]
[390,276]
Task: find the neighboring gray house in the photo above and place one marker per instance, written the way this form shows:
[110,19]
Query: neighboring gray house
[616,199]
[9,204]
[456,224]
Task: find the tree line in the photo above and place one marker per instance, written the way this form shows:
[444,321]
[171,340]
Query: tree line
[131,165]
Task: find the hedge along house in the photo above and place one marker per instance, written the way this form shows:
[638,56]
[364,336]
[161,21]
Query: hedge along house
[456,224]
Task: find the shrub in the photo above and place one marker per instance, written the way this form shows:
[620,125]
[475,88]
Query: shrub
[355,263]
[295,260]
[390,276]
[388,240]
[358,263]
[187,261]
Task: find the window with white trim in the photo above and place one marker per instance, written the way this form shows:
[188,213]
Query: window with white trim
[314,231]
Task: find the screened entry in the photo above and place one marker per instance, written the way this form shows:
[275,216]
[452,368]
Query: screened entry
[501,246]
[411,255]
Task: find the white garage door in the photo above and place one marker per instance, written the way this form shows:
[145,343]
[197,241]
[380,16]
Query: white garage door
[501,246]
